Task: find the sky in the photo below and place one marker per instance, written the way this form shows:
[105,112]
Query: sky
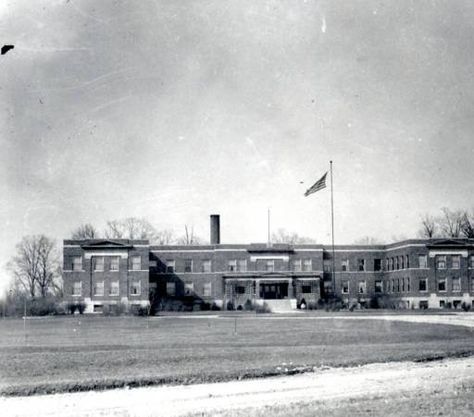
[175,110]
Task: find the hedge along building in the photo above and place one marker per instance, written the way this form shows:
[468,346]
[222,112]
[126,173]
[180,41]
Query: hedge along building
[411,274]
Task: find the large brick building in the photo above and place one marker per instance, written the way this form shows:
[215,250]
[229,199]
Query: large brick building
[434,273]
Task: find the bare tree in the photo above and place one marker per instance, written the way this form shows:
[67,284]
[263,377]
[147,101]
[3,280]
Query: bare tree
[130,228]
[35,265]
[85,231]
[164,237]
[451,222]
[367,240]
[189,238]
[429,226]
[283,236]
[468,225]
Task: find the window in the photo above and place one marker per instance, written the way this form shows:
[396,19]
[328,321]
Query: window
[402,262]
[188,288]
[345,265]
[206,265]
[442,304]
[361,264]
[270,265]
[242,265]
[207,289]
[408,285]
[391,264]
[232,266]
[455,262]
[397,283]
[240,289]
[362,287]
[377,264]
[307,265]
[327,266]
[77,288]
[77,263]
[407,261]
[171,289]
[297,265]
[135,288]
[306,289]
[345,287]
[114,288]
[99,288]
[403,285]
[114,263]
[423,304]
[442,284]
[188,265]
[423,284]
[98,262]
[170,266]
[456,284]
[136,263]
[422,261]
[378,286]
[441,262]
[397,262]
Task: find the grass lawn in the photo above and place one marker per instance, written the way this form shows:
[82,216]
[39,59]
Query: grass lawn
[82,352]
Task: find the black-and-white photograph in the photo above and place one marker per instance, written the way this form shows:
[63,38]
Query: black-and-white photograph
[236,208]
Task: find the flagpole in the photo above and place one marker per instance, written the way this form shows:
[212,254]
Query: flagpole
[332,235]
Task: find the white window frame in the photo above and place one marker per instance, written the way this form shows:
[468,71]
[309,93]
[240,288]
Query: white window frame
[77,285]
[95,259]
[270,265]
[440,258]
[115,260]
[445,284]
[232,265]
[207,289]
[206,266]
[345,290]
[134,285]
[458,280]
[188,288]
[359,264]
[422,261]
[190,267]
[297,265]
[170,266]
[458,257]
[134,264]
[362,285]
[113,286]
[77,263]
[96,291]
[171,289]
[307,265]
[345,265]
[380,287]
[242,265]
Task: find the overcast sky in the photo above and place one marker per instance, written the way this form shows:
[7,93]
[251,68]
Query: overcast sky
[173,110]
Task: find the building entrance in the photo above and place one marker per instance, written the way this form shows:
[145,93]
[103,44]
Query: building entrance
[274,291]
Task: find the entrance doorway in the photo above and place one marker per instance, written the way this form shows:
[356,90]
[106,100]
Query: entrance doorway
[274,291]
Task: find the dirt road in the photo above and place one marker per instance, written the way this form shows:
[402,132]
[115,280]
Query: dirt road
[390,379]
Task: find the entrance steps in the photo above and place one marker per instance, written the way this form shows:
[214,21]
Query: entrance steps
[281,306]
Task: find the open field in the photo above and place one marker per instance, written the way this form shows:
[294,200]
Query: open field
[80,353]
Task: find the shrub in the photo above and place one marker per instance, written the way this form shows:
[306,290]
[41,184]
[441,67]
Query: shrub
[465,306]
[230,306]
[138,310]
[215,307]
[249,305]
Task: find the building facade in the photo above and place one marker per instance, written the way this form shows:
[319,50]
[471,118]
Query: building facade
[434,273]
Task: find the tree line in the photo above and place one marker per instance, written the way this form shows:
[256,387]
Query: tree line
[448,224]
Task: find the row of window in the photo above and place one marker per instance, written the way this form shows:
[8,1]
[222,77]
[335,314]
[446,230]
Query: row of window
[397,285]
[98,263]
[238,265]
[98,288]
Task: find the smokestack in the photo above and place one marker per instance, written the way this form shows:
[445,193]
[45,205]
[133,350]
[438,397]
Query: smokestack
[215,229]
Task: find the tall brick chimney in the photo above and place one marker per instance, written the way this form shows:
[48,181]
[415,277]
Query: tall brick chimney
[215,229]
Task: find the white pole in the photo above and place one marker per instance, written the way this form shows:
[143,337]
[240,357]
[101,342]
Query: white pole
[332,235]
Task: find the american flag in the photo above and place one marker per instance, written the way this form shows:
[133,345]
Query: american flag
[318,185]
